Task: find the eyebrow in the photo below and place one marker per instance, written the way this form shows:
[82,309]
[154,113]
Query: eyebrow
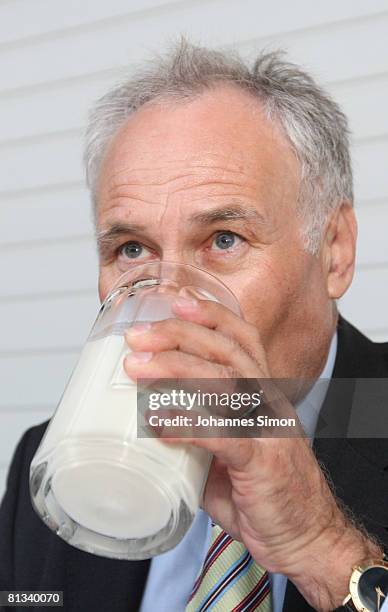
[228,213]
[107,238]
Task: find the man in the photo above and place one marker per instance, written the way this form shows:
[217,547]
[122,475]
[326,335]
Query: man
[244,173]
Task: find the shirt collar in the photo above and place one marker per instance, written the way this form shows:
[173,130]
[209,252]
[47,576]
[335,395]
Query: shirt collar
[309,408]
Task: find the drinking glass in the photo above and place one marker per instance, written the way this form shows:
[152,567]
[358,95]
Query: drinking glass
[93,481]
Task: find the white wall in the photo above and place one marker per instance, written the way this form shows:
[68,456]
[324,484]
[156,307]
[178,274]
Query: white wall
[55,58]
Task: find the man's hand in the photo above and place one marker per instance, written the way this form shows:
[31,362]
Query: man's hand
[269,493]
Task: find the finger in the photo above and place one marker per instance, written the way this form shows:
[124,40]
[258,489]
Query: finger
[218,317]
[236,453]
[217,499]
[173,364]
[195,339]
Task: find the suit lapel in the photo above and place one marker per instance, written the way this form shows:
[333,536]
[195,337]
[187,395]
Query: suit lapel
[356,467]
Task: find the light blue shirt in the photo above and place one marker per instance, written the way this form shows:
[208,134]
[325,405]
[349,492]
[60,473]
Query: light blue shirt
[172,574]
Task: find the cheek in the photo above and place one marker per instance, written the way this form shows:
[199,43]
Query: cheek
[263,294]
[275,291]
[105,282]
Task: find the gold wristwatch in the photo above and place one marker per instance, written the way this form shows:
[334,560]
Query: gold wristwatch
[368,586]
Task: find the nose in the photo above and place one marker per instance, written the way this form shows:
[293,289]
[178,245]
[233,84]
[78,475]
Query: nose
[175,255]
[177,265]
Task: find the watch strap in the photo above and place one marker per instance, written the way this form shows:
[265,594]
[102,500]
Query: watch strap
[349,606]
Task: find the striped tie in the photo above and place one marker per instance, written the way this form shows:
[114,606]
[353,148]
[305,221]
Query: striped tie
[230,580]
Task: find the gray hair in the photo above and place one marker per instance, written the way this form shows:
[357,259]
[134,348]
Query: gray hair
[313,123]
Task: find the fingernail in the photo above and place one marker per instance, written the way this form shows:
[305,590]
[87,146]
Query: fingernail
[138,357]
[138,328]
[188,303]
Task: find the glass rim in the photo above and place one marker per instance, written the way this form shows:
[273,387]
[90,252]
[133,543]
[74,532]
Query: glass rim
[120,282]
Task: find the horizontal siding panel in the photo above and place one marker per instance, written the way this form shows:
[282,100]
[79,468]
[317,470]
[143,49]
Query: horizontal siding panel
[48,268]
[380,335]
[370,169]
[62,212]
[341,51]
[372,235]
[366,302]
[127,42]
[30,381]
[48,162]
[47,323]
[44,16]
[365,104]
[65,107]
[15,424]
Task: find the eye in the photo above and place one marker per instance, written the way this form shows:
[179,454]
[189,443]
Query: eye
[133,250]
[226,240]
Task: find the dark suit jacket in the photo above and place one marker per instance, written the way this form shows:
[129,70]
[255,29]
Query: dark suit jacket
[33,558]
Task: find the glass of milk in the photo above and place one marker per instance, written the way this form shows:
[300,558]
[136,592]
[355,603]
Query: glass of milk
[92,480]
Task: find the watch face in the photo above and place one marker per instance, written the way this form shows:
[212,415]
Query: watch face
[373,588]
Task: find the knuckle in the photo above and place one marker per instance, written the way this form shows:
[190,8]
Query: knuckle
[231,344]
[253,344]
[167,326]
[209,309]
[174,365]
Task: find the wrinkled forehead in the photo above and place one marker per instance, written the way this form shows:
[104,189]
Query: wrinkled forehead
[221,135]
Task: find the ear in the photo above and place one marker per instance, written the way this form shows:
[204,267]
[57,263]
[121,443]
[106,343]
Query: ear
[339,250]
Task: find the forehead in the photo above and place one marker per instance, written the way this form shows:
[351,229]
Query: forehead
[219,137]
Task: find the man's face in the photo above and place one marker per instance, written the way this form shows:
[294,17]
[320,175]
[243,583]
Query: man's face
[168,185]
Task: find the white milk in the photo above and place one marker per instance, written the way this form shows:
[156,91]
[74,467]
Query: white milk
[105,478]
